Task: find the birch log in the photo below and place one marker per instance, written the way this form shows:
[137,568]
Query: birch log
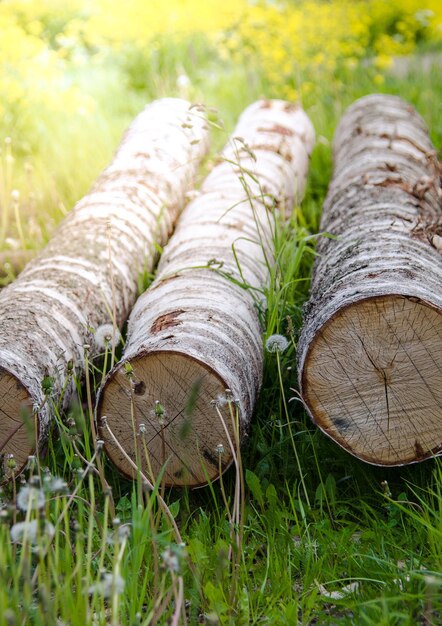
[86,276]
[194,338]
[370,353]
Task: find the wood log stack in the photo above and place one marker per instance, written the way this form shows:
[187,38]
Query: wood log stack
[182,397]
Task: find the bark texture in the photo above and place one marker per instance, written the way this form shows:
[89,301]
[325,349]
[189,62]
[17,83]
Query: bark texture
[370,353]
[194,339]
[88,272]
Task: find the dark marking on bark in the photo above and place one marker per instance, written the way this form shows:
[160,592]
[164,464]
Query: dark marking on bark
[342,424]
[166,321]
[428,229]
[390,182]
[211,458]
[291,106]
[436,450]
[139,388]
[391,167]
[412,299]
[178,473]
[419,450]
[277,150]
[277,128]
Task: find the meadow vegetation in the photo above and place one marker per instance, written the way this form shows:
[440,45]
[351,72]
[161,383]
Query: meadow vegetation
[298,531]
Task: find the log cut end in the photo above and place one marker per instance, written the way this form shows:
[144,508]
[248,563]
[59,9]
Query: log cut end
[167,410]
[16,425]
[372,379]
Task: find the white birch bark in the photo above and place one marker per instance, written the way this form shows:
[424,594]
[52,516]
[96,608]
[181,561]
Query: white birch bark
[87,274]
[370,353]
[195,333]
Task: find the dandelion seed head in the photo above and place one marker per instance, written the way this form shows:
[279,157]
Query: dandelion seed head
[432,581]
[276,343]
[170,560]
[31,531]
[183,81]
[123,532]
[30,498]
[107,336]
[5,514]
[108,585]
[220,400]
[12,243]
[57,485]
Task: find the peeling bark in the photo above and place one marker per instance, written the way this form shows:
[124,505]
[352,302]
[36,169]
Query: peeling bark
[88,271]
[195,333]
[370,353]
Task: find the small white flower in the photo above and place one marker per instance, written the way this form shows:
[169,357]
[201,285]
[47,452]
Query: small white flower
[108,585]
[15,195]
[30,498]
[276,343]
[107,336]
[30,531]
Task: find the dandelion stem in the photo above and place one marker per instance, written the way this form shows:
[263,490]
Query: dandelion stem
[295,450]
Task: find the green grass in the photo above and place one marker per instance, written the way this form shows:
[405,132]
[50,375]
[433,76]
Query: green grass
[313,520]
